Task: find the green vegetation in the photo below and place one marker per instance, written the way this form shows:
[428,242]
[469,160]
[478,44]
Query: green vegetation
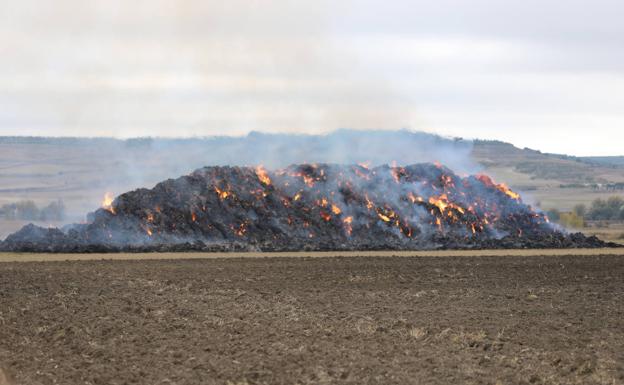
[27,210]
[611,209]
[571,220]
[603,218]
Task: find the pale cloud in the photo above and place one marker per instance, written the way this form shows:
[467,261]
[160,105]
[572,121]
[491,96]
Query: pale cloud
[543,74]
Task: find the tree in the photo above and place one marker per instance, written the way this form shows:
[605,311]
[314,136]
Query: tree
[609,209]
[580,210]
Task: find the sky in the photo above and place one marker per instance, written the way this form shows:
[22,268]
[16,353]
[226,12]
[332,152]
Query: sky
[545,74]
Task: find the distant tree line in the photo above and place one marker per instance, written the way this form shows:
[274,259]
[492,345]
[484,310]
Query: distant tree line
[29,211]
[611,209]
[596,186]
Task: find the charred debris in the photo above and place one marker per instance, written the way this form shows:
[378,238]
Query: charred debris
[308,207]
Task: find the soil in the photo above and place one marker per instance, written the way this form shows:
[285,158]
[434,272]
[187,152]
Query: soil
[357,320]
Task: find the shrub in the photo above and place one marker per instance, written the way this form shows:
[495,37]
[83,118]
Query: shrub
[610,209]
[571,220]
[580,210]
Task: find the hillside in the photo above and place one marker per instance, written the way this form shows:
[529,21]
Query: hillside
[549,181]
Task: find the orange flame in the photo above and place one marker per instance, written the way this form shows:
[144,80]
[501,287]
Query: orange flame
[486,180]
[335,209]
[347,224]
[441,202]
[383,217]
[503,187]
[107,203]
[262,175]
[240,230]
[414,198]
[309,181]
[221,193]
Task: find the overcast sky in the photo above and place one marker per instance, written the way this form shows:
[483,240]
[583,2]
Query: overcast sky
[546,74]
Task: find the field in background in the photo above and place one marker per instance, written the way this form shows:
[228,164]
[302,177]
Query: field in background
[612,232]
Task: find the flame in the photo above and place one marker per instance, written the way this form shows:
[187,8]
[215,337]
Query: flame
[297,196]
[326,216]
[486,180]
[383,217]
[395,176]
[405,228]
[414,198]
[147,229]
[309,181]
[193,217]
[360,174]
[447,181]
[347,224]
[335,209]
[221,193]
[240,230]
[263,176]
[441,202]
[107,203]
[397,172]
[503,187]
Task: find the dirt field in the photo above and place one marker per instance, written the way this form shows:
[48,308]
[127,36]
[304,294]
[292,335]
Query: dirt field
[279,320]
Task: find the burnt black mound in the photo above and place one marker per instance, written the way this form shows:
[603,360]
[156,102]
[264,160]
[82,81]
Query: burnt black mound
[309,207]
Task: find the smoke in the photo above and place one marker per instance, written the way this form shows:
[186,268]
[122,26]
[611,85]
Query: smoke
[341,146]
[81,170]
[143,162]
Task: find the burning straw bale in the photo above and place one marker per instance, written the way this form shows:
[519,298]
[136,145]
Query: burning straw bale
[308,207]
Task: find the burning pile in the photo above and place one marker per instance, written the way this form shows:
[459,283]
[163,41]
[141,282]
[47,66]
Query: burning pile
[309,207]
